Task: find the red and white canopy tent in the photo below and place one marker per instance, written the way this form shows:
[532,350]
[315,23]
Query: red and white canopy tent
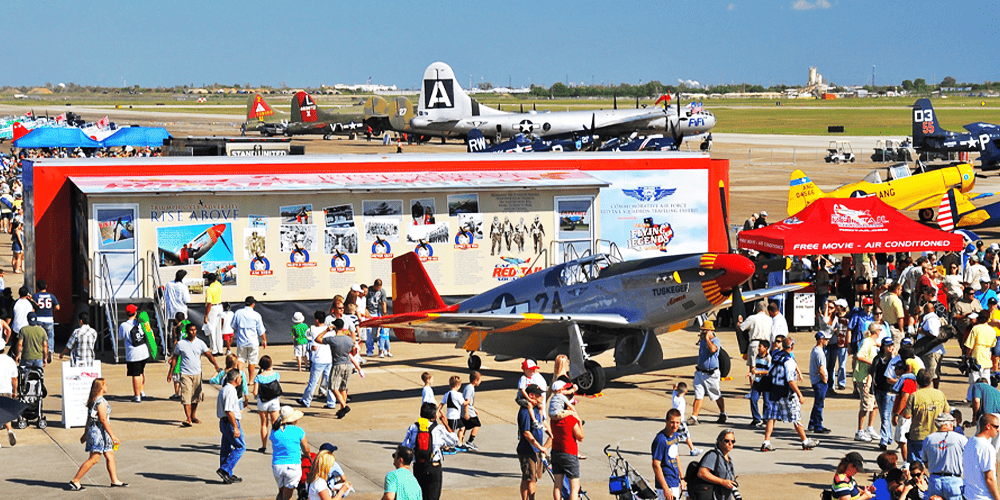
[848,225]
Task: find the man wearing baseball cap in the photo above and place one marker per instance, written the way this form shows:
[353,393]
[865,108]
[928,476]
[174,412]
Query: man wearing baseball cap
[530,376]
[707,374]
[136,354]
[761,221]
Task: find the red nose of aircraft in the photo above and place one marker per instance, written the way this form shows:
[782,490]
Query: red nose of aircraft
[738,269]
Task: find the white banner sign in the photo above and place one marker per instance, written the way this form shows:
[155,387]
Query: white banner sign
[76,382]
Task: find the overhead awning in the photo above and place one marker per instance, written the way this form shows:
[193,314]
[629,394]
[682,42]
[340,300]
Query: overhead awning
[342,182]
[64,137]
[848,225]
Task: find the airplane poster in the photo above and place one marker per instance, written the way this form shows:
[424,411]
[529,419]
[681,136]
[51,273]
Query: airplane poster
[195,243]
[339,216]
[650,210]
[379,208]
[463,204]
[296,214]
[117,228]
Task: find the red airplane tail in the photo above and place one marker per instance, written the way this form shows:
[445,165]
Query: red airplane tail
[304,108]
[412,289]
[19,131]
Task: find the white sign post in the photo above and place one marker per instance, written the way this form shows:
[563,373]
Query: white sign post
[76,382]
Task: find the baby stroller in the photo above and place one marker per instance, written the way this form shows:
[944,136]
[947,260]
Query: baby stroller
[565,486]
[626,483]
[303,489]
[31,391]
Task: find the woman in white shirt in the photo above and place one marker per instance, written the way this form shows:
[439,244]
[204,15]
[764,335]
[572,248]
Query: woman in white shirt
[319,488]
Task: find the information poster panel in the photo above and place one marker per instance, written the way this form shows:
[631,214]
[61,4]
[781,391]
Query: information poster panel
[76,382]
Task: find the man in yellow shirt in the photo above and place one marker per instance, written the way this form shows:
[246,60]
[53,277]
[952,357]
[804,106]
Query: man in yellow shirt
[213,313]
[892,310]
[980,342]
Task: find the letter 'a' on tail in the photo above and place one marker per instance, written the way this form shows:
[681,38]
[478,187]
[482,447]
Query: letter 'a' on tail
[304,108]
[412,289]
[801,192]
[925,122]
[258,108]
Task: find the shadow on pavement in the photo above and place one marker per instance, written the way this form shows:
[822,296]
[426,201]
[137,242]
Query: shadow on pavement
[176,477]
[211,449]
[62,485]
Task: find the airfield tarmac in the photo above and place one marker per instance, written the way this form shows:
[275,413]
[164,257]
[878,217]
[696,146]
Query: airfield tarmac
[162,460]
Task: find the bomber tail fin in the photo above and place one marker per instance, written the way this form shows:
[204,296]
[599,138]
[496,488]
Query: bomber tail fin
[801,192]
[400,113]
[442,98]
[412,289]
[258,108]
[925,122]
[304,108]
[19,131]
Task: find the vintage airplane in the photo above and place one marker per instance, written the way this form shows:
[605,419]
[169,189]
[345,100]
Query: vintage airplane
[196,248]
[929,136]
[580,308]
[307,118]
[957,212]
[445,110]
[476,143]
[902,189]
[655,142]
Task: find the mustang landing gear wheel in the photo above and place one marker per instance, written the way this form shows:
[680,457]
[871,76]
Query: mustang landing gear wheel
[593,380]
[475,362]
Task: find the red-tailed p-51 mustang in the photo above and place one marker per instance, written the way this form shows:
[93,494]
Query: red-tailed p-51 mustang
[580,308]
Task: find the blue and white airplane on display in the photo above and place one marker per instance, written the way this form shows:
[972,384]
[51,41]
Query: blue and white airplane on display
[980,136]
[579,308]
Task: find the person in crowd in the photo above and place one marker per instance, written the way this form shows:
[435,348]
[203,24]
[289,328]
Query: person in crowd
[288,445]
[567,432]
[980,344]
[187,356]
[863,382]
[706,376]
[716,467]
[818,380]
[267,389]
[758,385]
[320,363]
[844,486]
[319,486]
[785,397]
[428,456]
[679,403]
[922,407]
[942,452]
[531,443]
[836,350]
[965,306]
[884,395]
[80,345]
[250,334]
[979,462]
[757,327]
[666,467]
[8,388]
[300,338]
[470,417]
[98,436]
[400,484]
[136,354]
[229,409]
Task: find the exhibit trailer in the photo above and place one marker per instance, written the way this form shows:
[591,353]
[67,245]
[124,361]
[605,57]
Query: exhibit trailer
[295,231]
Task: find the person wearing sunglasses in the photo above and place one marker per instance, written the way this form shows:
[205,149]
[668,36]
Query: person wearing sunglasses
[979,459]
[400,483]
[716,470]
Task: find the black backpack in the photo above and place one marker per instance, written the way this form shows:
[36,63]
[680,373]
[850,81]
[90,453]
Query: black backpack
[136,336]
[698,489]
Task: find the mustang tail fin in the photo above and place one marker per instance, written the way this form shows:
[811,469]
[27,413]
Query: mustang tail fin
[304,108]
[801,192]
[948,213]
[925,123]
[412,289]
[258,108]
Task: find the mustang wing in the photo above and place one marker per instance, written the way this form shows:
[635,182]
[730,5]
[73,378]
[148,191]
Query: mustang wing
[450,322]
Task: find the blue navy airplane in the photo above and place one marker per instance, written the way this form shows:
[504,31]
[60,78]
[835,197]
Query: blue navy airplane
[929,136]
[520,143]
[580,308]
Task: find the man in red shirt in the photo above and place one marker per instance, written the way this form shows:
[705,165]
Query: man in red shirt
[566,432]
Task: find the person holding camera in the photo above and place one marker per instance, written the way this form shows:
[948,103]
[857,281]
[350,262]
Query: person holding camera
[844,486]
[716,471]
[706,375]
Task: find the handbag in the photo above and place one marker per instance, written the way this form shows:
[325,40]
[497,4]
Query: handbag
[269,391]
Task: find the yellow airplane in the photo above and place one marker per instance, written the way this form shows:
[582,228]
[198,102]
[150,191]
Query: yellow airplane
[903,190]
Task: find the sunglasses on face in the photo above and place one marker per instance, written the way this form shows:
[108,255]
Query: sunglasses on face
[729,441]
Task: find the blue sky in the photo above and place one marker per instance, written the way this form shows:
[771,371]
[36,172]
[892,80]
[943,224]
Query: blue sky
[308,43]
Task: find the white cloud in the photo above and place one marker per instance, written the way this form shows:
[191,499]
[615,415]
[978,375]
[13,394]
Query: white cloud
[805,5]
[731,7]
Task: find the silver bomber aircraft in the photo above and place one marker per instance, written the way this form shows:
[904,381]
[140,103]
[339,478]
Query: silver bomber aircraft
[446,110]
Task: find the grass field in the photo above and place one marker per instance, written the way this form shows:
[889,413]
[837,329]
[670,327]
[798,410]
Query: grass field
[882,116]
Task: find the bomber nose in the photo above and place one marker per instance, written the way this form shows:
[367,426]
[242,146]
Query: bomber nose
[738,269]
